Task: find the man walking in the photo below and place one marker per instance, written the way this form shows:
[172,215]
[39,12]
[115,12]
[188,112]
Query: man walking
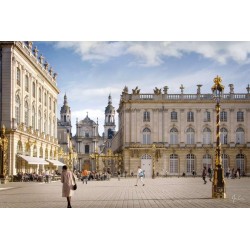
[84,176]
[204,174]
[140,175]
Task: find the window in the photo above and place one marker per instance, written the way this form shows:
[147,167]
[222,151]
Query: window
[207,161]
[240,116]
[45,124]
[146,116]
[173,116]
[19,147]
[223,135]
[45,99]
[240,134]
[18,76]
[240,163]
[190,163]
[33,117]
[225,163]
[64,118]
[190,136]
[26,114]
[17,109]
[40,95]
[173,136]
[223,116]
[206,136]
[41,152]
[207,116]
[49,103]
[190,116]
[146,135]
[49,125]
[173,164]
[34,89]
[86,149]
[87,134]
[34,151]
[26,83]
[39,121]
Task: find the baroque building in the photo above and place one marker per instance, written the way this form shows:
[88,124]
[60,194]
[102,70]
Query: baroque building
[28,108]
[176,133]
[87,141]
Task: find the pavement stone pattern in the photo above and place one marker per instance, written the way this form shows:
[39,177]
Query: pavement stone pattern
[170,192]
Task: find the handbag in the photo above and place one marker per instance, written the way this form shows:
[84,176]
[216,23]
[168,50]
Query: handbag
[74,186]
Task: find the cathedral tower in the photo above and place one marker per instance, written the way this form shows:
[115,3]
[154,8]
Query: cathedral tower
[109,124]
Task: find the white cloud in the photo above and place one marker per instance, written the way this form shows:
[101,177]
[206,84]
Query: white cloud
[153,53]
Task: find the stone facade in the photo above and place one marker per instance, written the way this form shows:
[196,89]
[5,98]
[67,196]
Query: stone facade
[176,133]
[28,106]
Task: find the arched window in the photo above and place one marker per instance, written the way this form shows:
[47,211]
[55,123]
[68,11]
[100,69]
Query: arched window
[17,109]
[223,135]
[206,136]
[26,114]
[173,164]
[27,149]
[190,136]
[146,135]
[240,134]
[26,83]
[240,163]
[146,116]
[190,163]
[34,151]
[225,162]
[19,147]
[190,116]
[207,161]
[173,116]
[40,121]
[18,76]
[173,136]
[33,117]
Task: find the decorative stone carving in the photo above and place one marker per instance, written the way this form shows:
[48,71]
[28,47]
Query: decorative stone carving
[165,90]
[55,76]
[41,58]
[46,65]
[125,90]
[136,91]
[157,91]
[35,50]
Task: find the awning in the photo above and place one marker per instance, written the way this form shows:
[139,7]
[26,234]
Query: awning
[56,162]
[34,160]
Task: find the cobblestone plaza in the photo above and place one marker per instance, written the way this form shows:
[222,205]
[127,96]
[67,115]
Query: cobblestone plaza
[169,192]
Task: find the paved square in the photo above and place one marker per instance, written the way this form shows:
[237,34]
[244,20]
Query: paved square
[171,192]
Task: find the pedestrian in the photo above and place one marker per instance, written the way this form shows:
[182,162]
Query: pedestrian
[140,175]
[228,172]
[232,174]
[118,175]
[193,172]
[238,171]
[68,180]
[209,173]
[204,174]
[84,176]
[125,173]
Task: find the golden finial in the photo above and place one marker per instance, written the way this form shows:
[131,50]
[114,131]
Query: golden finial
[217,84]
[3,129]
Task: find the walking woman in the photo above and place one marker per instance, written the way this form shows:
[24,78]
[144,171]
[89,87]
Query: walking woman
[68,181]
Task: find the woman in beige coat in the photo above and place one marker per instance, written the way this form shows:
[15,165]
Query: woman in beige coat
[68,181]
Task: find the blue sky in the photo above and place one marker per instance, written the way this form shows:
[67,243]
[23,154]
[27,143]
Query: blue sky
[89,71]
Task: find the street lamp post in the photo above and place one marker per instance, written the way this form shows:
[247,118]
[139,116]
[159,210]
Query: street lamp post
[218,187]
[153,168]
